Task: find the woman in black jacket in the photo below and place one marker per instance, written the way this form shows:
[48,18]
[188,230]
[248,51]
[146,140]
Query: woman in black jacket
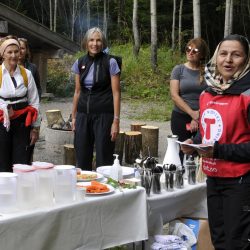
[96,102]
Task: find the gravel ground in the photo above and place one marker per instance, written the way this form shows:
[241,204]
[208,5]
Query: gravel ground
[45,151]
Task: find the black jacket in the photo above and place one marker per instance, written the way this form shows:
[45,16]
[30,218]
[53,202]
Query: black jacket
[99,99]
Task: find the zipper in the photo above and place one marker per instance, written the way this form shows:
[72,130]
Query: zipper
[88,101]
[240,181]
[97,72]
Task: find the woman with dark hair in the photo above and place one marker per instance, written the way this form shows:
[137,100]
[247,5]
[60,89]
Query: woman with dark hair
[96,103]
[186,85]
[225,128]
[19,104]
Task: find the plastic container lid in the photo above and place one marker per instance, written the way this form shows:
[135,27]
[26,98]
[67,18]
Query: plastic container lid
[42,165]
[64,167]
[17,168]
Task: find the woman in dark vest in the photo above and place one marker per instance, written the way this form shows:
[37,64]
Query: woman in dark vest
[96,102]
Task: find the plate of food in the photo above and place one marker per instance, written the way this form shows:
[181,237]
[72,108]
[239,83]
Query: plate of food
[127,172]
[97,188]
[88,176]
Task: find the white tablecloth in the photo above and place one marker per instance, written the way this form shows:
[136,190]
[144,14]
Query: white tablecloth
[93,224]
[187,202]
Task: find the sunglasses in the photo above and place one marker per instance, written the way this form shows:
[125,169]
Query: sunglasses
[193,50]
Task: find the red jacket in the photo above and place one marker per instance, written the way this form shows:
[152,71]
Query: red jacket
[223,118]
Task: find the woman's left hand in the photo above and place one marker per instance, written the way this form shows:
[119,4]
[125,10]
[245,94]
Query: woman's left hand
[115,130]
[208,153]
[34,135]
[194,125]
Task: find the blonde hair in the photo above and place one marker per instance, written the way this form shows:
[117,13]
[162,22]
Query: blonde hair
[89,33]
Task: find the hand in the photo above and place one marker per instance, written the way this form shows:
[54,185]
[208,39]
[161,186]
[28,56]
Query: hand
[73,126]
[115,130]
[34,135]
[186,149]
[194,125]
[195,115]
[208,153]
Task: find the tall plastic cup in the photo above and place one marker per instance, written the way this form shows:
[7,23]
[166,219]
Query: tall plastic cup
[46,178]
[8,192]
[65,183]
[26,186]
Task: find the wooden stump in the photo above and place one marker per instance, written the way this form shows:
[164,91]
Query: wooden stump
[132,146]
[54,116]
[69,154]
[150,139]
[136,126]
[119,145]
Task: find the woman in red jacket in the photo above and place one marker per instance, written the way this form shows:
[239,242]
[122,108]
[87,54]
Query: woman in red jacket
[225,126]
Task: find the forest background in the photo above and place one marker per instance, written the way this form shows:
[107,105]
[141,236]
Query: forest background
[150,35]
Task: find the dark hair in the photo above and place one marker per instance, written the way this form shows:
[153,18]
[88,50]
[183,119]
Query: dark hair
[241,39]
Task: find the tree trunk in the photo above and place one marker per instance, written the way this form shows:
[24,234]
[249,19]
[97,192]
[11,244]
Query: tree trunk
[136,126]
[132,146]
[69,157]
[54,116]
[119,145]
[173,25]
[88,15]
[105,18]
[50,15]
[135,29]
[180,25]
[153,35]
[227,18]
[197,18]
[55,14]
[150,139]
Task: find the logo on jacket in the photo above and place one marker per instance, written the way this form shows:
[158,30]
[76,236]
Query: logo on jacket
[212,125]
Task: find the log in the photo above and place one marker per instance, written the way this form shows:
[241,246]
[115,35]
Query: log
[119,145]
[69,154]
[150,140]
[132,146]
[136,126]
[54,117]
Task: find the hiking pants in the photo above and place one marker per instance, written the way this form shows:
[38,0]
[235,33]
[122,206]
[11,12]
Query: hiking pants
[228,202]
[90,130]
[15,144]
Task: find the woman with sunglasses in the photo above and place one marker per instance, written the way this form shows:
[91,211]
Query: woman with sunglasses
[225,126]
[186,85]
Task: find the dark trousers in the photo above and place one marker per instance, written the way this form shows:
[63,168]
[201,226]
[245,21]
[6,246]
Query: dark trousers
[93,129]
[178,127]
[228,202]
[15,144]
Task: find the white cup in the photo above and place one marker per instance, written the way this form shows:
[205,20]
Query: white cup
[80,193]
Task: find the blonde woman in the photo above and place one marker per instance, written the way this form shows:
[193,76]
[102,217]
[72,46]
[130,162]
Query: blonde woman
[96,103]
